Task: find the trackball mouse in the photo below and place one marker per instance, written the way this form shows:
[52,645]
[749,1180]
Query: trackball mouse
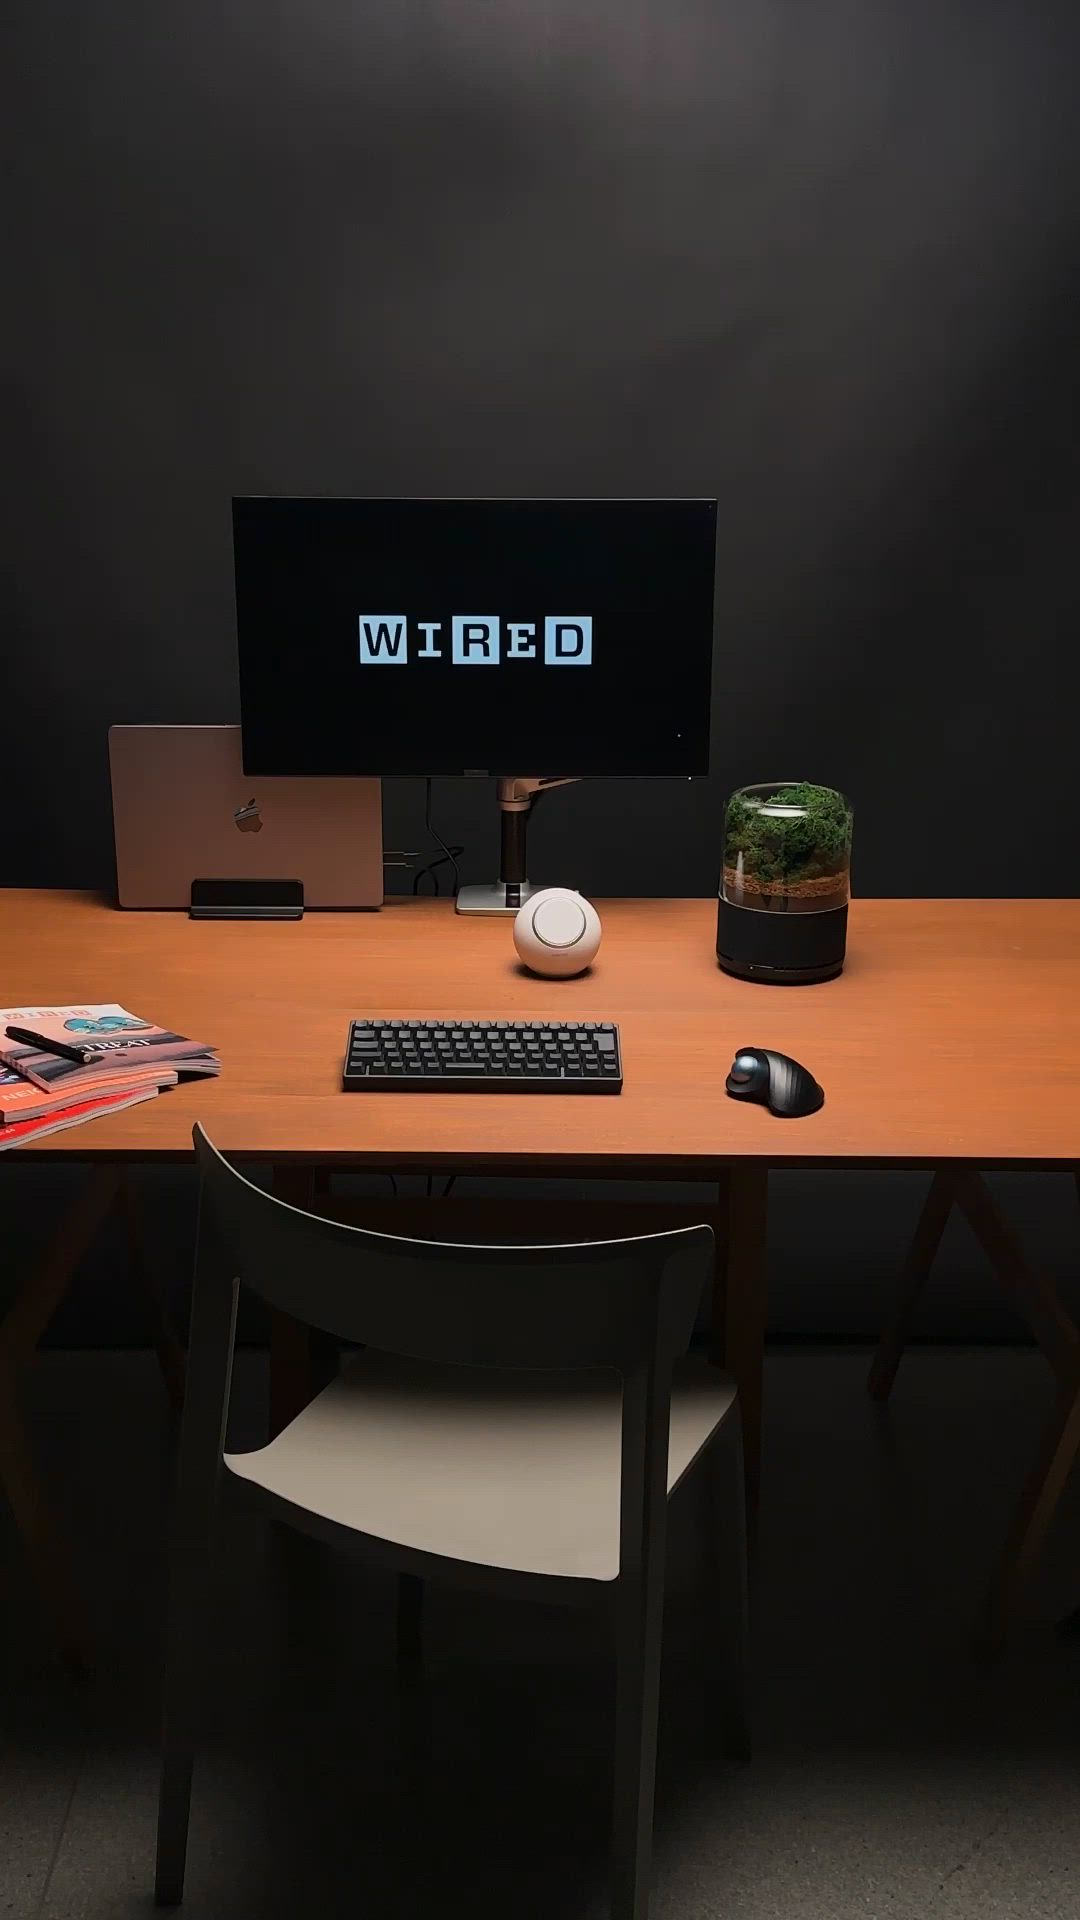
[775,1079]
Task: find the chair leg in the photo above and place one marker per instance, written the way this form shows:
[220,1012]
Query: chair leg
[174,1810]
[913,1278]
[202,1437]
[188,1609]
[639,1612]
[729,1621]
[745,1289]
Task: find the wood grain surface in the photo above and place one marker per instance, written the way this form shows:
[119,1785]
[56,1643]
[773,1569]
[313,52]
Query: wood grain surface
[953,1034]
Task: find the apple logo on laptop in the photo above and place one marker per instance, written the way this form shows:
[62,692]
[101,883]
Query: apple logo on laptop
[249,819]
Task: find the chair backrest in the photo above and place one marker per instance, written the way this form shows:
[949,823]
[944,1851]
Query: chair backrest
[626,1304]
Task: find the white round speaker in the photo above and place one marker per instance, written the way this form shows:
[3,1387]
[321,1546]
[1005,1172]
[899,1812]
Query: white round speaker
[557,932]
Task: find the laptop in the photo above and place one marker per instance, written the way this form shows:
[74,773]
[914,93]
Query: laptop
[184,810]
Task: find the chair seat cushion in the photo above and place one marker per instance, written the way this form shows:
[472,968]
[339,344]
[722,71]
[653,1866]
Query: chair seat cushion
[515,1469]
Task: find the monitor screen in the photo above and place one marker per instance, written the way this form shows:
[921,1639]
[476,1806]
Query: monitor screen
[475,636]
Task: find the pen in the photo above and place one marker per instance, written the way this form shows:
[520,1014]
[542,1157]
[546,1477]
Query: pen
[83,1056]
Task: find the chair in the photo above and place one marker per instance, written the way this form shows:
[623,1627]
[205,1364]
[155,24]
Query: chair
[517,1418]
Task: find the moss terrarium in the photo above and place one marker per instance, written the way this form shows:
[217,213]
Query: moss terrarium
[787,849]
[785,883]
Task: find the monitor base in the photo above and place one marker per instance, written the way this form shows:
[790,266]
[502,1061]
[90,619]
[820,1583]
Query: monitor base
[493,898]
[517,796]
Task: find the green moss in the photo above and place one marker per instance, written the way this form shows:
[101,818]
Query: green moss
[814,843]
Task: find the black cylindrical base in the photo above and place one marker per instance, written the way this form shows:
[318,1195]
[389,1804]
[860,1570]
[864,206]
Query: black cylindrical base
[781,949]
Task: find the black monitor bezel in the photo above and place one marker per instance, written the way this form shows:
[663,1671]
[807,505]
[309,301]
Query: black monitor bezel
[604,764]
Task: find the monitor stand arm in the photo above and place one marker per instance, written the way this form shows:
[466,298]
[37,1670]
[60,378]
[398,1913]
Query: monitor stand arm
[517,796]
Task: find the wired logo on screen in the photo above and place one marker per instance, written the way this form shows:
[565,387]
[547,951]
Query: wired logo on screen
[476,640]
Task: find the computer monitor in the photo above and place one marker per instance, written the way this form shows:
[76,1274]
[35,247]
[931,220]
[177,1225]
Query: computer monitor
[553,637]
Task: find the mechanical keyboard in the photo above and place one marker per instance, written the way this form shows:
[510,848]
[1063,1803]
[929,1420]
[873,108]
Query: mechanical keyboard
[482,1056]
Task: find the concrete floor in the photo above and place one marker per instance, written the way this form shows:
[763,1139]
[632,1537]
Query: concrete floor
[895,1777]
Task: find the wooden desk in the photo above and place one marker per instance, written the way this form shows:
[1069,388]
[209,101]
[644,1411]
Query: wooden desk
[953,1034]
[952,1041]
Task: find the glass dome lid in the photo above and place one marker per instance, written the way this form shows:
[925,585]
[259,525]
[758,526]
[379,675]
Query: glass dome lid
[787,848]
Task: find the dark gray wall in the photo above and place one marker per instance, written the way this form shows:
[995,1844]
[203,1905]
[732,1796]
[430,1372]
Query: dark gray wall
[835,1243]
[819,259]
